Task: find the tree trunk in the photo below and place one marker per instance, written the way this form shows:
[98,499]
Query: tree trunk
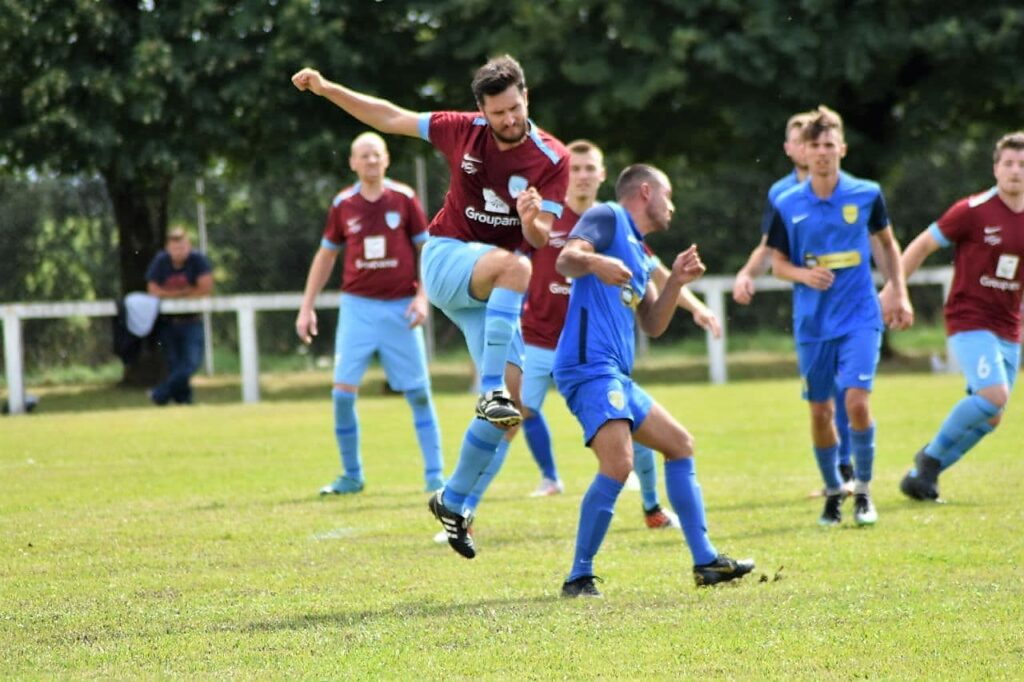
[140,209]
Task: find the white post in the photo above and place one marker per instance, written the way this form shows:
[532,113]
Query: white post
[13,362]
[248,353]
[952,366]
[204,246]
[714,298]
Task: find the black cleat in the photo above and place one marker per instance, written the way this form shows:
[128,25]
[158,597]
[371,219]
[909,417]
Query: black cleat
[456,526]
[498,408]
[832,515]
[722,569]
[581,587]
[922,482]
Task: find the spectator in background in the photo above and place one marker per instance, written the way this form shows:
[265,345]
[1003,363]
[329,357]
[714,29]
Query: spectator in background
[179,271]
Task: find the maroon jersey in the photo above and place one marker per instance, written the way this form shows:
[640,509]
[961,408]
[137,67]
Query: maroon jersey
[547,299]
[987,279]
[480,205]
[379,238]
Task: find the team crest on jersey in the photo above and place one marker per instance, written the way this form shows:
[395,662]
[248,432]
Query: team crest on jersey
[850,213]
[493,203]
[517,184]
[353,225]
[616,399]
[393,219]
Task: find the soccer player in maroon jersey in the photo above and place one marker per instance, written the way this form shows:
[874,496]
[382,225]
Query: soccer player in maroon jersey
[983,311]
[508,181]
[380,224]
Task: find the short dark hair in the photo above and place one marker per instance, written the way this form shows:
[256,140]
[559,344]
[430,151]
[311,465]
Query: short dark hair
[495,77]
[1013,141]
[821,120]
[582,146]
[635,175]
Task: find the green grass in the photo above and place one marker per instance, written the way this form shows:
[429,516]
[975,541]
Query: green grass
[143,542]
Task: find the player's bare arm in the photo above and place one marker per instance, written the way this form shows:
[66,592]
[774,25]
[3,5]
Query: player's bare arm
[578,259]
[656,309]
[688,301]
[897,311]
[757,264]
[377,113]
[536,223]
[817,277]
[319,272]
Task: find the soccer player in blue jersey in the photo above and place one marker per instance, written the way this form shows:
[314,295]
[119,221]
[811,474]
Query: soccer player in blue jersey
[820,233]
[611,291]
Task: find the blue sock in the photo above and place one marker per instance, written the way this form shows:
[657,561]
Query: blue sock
[643,465]
[500,320]
[966,414]
[684,494]
[828,464]
[473,498]
[863,444]
[843,427]
[970,439]
[427,434]
[596,513]
[478,448]
[538,438]
[346,432]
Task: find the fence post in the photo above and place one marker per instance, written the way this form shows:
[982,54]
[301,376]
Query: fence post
[13,357]
[714,298]
[248,352]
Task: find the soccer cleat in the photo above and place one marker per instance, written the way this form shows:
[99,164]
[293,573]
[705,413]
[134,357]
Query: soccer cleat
[434,483]
[846,473]
[659,518]
[832,515]
[922,482]
[722,569]
[456,526]
[864,512]
[343,485]
[547,487]
[582,587]
[498,408]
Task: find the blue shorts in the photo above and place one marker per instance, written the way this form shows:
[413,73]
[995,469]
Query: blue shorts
[603,399]
[447,268]
[537,376]
[837,364]
[367,326]
[985,359]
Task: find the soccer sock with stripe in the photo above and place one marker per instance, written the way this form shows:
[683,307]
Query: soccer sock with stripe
[966,414]
[478,448]
[538,438]
[472,500]
[843,427]
[346,432]
[424,419]
[596,513]
[647,473]
[828,464]
[500,321]
[970,439]
[863,444]
[686,498]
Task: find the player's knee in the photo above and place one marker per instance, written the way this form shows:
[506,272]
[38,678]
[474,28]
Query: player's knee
[994,421]
[515,273]
[822,413]
[418,397]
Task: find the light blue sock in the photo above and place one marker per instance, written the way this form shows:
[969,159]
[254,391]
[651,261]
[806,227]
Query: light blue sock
[500,321]
[478,448]
[966,414]
[596,513]
[863,444]
[643,465]
[476,494]
[424,418]
[969,440]
[346,432]
[684,494]
[828,464]
[538,438]
[843,427]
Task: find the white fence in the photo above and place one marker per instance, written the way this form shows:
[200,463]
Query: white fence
[716,290]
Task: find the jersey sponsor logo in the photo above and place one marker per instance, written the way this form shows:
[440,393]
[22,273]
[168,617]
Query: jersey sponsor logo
[1006,268]
[492,220]
[493,203]
[393,219]
[375,247]
[469,164]
[559,288]
[382,264]
[616,399]
[850,213]
[799,218]
[517,184]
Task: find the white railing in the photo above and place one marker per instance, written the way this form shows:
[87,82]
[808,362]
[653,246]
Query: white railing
[716,290]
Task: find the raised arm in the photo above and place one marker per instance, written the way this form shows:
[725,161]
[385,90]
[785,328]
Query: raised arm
[688,301]
[535,221]
[578,259]
[377,113]
[656,309]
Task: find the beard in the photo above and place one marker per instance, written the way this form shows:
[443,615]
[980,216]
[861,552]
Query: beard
[511,135]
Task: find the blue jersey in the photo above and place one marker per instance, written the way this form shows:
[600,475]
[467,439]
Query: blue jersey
[834,233]
[780,186]
[599,336]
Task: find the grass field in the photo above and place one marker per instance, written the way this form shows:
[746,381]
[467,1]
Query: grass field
[137,542]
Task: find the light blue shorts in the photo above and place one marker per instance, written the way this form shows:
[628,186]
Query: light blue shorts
[847,362]
[600,400]
[367,326]
[985,359]
[447,268]
[537,378]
